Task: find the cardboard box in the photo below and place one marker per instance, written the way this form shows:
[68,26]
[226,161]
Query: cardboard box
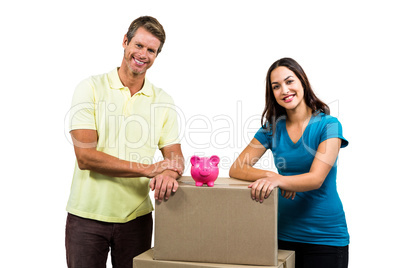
[286,259]
[219,224]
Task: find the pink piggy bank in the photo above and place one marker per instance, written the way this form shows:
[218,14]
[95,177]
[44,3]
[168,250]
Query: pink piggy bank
[204,170]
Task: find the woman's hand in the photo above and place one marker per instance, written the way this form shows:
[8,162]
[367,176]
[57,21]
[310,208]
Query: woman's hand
[262,188]
[288,194]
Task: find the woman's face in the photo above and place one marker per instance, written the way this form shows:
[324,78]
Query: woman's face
[287,88]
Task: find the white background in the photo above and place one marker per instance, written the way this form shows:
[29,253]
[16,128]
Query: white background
[213,64]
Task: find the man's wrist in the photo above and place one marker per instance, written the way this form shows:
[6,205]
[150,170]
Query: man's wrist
[141,170]
[173,174]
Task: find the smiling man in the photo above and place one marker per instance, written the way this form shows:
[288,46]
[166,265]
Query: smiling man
[117,121]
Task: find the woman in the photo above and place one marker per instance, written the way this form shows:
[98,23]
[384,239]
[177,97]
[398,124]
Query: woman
[305,141]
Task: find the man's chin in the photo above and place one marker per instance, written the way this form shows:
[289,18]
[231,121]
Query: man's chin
[136,71]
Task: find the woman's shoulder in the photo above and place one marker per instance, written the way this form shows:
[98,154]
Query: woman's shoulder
[266,129]
[329,126]
[324,119]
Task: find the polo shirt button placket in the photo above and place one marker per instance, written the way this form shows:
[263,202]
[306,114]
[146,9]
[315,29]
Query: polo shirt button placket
[127,101]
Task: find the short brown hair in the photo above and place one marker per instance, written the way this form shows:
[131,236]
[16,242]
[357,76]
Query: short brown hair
[150,24]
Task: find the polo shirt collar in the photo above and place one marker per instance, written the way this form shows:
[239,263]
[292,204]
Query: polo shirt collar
[115,83]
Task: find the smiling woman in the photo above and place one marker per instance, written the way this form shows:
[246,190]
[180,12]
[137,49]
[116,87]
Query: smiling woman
[300,132]
[288,90]
[290,71]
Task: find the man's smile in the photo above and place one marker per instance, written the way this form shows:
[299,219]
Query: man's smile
[138,61]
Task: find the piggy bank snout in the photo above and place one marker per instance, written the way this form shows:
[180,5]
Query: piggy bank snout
[205,171]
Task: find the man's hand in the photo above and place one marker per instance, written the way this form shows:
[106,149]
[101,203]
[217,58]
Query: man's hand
[164,184]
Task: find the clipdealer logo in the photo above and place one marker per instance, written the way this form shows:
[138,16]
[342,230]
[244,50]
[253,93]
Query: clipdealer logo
[197,131]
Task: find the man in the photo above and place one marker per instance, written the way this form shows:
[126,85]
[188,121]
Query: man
[117,121]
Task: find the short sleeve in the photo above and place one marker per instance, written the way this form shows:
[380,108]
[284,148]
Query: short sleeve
[170,129]
[264,136]
[333,129]
[82,112]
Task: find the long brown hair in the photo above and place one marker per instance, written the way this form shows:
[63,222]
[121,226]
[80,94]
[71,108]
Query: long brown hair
[273,110]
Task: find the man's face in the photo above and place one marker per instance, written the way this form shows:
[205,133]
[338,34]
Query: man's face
[140,53]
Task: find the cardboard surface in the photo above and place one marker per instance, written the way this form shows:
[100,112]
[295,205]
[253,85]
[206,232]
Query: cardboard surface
[286,259]
[219,224]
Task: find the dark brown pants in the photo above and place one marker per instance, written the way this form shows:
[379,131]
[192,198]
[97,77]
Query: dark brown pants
[88,241]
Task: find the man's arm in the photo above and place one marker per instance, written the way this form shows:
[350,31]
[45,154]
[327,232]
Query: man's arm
[88,158]
[166,182]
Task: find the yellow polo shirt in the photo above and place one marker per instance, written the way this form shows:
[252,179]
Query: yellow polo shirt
[130,128]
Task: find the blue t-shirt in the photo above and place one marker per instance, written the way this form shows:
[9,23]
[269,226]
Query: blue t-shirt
[316,216]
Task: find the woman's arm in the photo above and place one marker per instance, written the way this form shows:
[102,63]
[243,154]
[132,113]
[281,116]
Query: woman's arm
[243,168]
[325,158]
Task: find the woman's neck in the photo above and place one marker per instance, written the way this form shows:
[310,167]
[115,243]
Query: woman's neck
[299,116]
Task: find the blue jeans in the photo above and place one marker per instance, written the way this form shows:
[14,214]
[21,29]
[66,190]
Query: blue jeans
[317,256]
[88,241]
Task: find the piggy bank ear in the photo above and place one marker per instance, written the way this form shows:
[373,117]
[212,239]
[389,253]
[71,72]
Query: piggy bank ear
[194,160]
[214,160]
